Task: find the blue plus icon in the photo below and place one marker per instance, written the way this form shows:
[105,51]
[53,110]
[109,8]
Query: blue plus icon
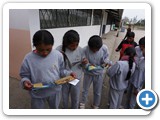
[147,99]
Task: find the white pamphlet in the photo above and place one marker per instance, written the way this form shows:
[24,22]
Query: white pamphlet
[74,82]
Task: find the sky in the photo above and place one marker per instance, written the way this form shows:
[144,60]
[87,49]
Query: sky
[131,13]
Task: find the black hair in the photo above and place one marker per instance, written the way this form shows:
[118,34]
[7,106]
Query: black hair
[131,34]
[69,37]
[129,30]
[95,42]
[131,52]
[43,37]
[142,41]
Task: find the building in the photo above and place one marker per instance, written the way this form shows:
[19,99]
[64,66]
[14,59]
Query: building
[23,23]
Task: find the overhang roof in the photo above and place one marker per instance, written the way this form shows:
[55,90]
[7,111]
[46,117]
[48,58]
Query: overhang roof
[115,13]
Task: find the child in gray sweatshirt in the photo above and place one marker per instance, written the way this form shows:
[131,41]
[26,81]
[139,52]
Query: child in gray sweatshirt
[73,57]
[120,74]
[43,65]
[97,55]
[137,81]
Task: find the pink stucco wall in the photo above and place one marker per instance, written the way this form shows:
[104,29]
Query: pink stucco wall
[19,46]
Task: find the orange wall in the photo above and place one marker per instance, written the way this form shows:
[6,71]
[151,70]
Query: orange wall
[19,46]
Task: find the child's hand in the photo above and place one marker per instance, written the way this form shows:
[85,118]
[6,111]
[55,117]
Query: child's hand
[73,74]
[85,61]
[108,65]
[27,85]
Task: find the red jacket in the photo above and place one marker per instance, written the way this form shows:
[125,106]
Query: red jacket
[125,44]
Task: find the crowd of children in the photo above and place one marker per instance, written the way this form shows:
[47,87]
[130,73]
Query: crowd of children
[46,65]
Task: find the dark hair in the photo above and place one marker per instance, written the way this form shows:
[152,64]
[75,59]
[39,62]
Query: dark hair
[43,37]
[95,42]
[69,37]
[131,52]
[142,41]
[131,34]
[129,30]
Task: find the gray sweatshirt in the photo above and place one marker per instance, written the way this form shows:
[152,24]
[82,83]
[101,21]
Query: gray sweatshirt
[138,52]
[75,58]
[138,77]
[97,59]
[47,69]
[118,73]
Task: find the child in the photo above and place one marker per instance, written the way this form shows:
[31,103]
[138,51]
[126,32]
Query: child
[140,47]
[120,74]
[73,57]
[96,56]
[126,43]
[137,81]
[43,65]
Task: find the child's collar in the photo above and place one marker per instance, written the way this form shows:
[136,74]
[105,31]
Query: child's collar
[35,51]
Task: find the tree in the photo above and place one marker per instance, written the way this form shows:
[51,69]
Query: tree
[135,20]
[125,20]
[141,22]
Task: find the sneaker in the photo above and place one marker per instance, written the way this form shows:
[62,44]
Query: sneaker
[82,106]
[121,107]
[95,107]
[108,105]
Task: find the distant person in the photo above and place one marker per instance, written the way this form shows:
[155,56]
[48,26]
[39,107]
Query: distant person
[43,65]
[73,56]
[128,31]
[129,42]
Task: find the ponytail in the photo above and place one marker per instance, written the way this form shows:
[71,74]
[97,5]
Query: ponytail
[63,50]
[69,37]
[131,52]
[130,62]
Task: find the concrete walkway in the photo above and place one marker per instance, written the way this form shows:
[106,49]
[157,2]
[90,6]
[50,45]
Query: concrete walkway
[20,99]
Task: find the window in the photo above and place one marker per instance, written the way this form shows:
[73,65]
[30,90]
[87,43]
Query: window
[55,18]
[97,17]
[46,18]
